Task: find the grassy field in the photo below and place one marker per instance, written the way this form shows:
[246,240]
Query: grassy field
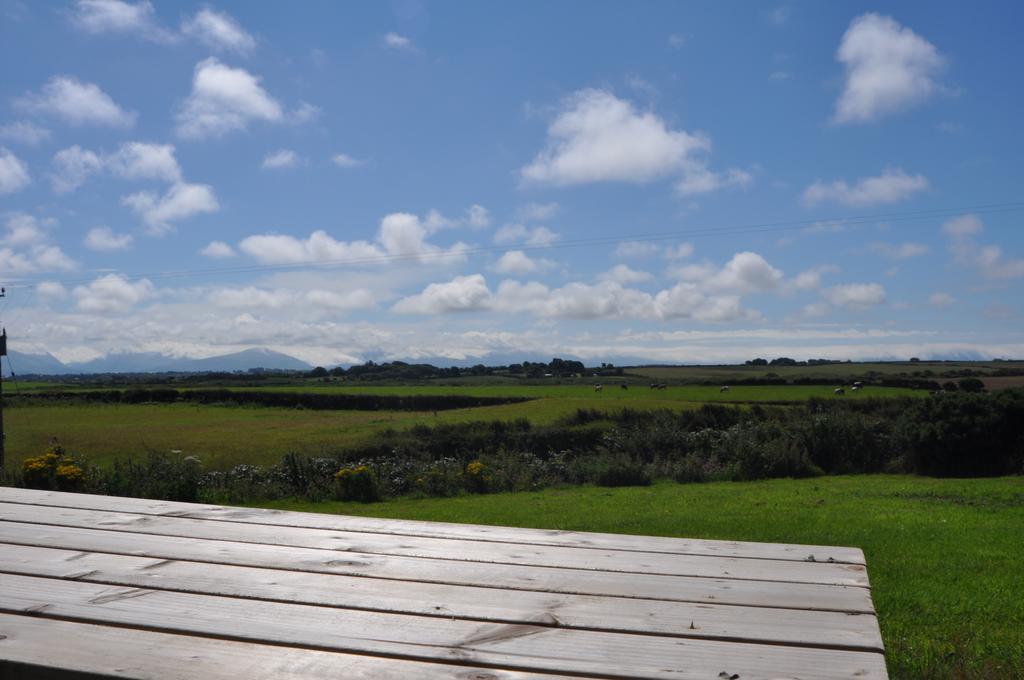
[224,436]
[944,556]
[838,372]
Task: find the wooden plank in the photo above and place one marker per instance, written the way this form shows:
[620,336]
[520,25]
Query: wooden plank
[29,649]
[513,577]
[449,549]
[519,647]
[750,624]
[682,546]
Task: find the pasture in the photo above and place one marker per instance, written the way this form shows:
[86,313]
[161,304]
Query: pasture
[223,436]
[944,555]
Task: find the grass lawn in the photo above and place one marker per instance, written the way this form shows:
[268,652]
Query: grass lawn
[944,556]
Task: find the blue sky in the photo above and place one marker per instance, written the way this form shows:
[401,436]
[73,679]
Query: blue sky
[658,182]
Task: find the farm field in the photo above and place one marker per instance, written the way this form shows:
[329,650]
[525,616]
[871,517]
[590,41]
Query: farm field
[943,555]
[839,372]
[224,436]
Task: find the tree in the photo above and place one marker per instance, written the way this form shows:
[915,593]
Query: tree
[318,372]
[971,385]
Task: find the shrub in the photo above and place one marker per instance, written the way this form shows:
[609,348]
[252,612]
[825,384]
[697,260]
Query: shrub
[624,473]
[477,477]
[971,385]
[53,470]
[357,484]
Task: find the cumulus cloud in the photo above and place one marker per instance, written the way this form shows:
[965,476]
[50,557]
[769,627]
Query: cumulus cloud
[180,202]
[112,294]
[811,278]
[679,251]
[140,160]
[523,235]
[23,230]
[314,300]
[598,137]
[988,260]
[461,294]
[217,250]
[224,100]
[72,167]
[51,290]
[284,158]
[901,251]
[892,186]
[478,216]
[746,273]
[24,132]
[518,262]
[77,103]
[115,16]
[319,247]
[104,239]
[25,248]
[889,69]
[13,173]
[218,31]
[856,295]
[620,273]
[133,161]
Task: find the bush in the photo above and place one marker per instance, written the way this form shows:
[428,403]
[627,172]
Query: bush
[624,473]
[477,477]
[971,385]
[357,484]
[54,470]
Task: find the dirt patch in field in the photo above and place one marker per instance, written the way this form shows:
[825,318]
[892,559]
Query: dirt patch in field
[1003,382]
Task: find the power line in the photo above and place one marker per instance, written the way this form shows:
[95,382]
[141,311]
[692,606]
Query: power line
[691,233]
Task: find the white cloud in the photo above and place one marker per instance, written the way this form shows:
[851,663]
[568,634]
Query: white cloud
[699,179]
[744,274]
[679,251]
[403,236]
[115,16]
[77,103]
[343,160]
[963,226]
[889,68]
[104,239]
[620,273]
[140,160]
[218,31]
[518,262]
[23,230]
[72,167]
[319,247]
[224,100]
[902,251]
[284,158]
[395,41]
[25,132]
[477,216]
[522,235]
[811,278]
[13,173]
[598,137]
[51,290]
[133,161]
[461,294]
[39,257]
[217,250]
[180,202]
[112,294]
[856,295]
[892,186]
[538,212]
[941,300]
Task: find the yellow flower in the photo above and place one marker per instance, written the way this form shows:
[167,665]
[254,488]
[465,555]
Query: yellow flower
[69,472]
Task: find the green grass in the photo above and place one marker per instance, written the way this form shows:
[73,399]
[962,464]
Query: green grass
[225,436]
[611,392]
[944,556]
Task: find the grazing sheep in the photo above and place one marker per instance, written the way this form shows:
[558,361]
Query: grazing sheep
[839,390]
[662,386]
[723,388]
[654,386]
[598,387]
[855,388]
[624,386]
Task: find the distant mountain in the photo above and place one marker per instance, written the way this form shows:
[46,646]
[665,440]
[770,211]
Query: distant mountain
[152,362]
[28,364]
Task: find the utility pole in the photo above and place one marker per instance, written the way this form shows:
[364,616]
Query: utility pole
[3,353]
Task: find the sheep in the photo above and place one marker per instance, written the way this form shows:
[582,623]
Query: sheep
[855,387]
[598,387]
[839,390]
[624,386]
[723,388]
